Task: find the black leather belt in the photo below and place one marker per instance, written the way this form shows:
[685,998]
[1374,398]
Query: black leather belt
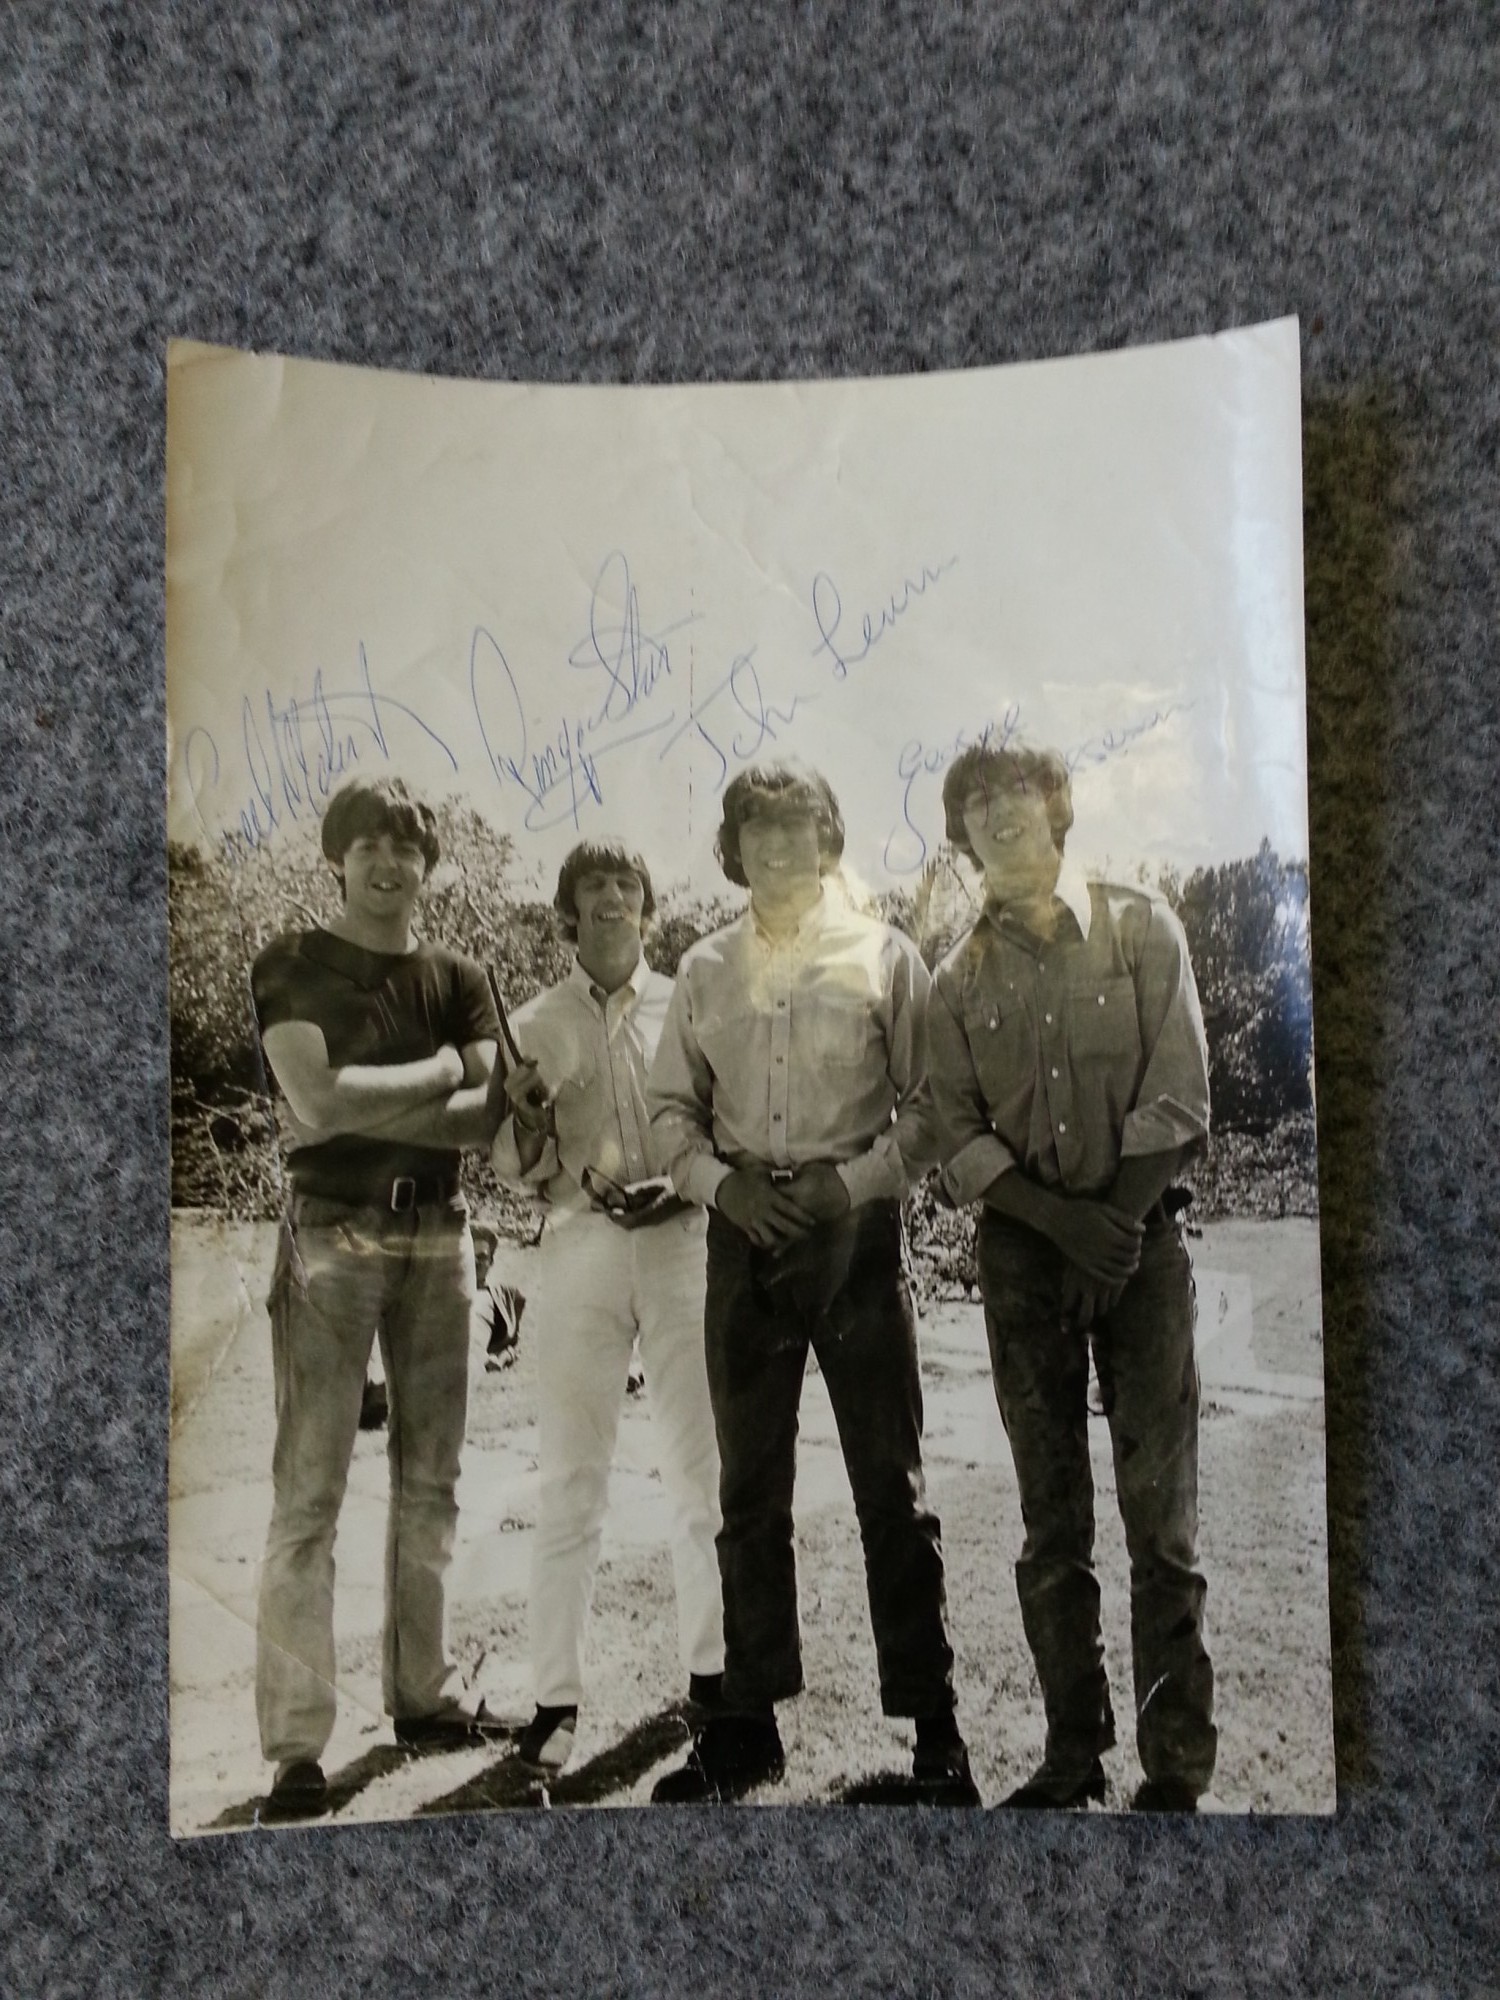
[403,1192]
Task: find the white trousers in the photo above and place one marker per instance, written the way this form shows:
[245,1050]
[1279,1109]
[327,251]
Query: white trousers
[598,1287]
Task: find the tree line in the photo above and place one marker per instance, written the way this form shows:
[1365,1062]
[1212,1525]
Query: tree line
[1246,923]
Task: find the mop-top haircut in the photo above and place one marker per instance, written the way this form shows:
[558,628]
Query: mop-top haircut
[782,786]
[366,808]
[608,857]
[993,768]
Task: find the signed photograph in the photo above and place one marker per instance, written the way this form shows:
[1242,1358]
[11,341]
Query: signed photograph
[744,1171]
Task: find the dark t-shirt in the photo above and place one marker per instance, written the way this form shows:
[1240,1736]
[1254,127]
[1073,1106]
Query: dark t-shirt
[374,1007]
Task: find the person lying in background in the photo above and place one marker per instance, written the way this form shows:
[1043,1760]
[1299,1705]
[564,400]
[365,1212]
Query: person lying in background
[498,1307]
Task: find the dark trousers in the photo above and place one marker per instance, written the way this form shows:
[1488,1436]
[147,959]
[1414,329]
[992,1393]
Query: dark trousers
[1148,1379]
[842,1293]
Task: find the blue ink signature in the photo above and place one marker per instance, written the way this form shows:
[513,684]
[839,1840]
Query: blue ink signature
[560,777]
[557,769]
[626,666]
[1099,749]
[631,661]
[906,846]
[828,613]
[741,726]
[295,754]
[920,760]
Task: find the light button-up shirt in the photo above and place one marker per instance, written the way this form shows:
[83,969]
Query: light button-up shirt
[785,1050]
[593,1050]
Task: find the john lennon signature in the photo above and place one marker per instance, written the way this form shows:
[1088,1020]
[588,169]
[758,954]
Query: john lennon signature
[828,615]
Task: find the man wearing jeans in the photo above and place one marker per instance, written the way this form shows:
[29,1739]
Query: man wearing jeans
[789,1097]
[1070,1075]
[382,1045]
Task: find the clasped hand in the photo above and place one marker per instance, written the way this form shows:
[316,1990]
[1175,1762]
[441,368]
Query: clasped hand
[1103,1248]
[774,1214]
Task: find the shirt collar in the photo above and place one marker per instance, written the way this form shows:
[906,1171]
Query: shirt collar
[1072,891]
[583,983]
[356,962]
[814,921]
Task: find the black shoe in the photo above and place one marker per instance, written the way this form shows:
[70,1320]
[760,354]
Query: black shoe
[731,1755]
[300,1791]
[546,1743]
[1165,1795]
[706,1692]
[450,1728]
[1051,1790]
[374,1407]
[940,1763]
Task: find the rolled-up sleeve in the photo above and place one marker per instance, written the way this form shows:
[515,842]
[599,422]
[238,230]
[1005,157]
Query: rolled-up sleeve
[973,1154]
[1171,1108]
[680,1098]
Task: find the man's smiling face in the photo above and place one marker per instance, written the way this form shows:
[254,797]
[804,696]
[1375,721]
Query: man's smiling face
[1011,834]
[609,902]
[779,852]
[383,876]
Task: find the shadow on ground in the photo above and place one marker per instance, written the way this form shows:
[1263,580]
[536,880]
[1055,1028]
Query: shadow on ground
[342,1787]
[897,1788]
[612,1771]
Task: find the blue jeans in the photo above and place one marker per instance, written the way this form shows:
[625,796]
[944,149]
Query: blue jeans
[343,1274]
[842,1293]
[1148,1379]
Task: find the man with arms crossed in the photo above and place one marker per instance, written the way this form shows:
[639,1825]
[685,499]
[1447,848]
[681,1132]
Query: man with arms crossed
[1070,1075]
[382,1044]
[789,1097]
[619,1258]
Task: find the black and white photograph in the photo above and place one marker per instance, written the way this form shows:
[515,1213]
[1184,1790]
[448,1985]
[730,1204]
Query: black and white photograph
[744,1169]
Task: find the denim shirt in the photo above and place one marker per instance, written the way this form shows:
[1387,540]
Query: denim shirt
[1062,1056]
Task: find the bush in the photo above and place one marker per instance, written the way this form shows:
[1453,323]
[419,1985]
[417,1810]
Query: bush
[224,1146]
[1246,924]
[941,1240]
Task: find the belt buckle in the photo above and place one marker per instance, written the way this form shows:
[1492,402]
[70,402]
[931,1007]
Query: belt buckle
[403,1194]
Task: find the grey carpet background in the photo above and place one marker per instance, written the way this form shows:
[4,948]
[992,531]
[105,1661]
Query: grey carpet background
[620,192]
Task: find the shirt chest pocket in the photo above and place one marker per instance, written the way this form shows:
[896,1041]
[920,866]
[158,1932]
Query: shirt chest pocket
[841,1031]
[1001,1043]
[1102,1022]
